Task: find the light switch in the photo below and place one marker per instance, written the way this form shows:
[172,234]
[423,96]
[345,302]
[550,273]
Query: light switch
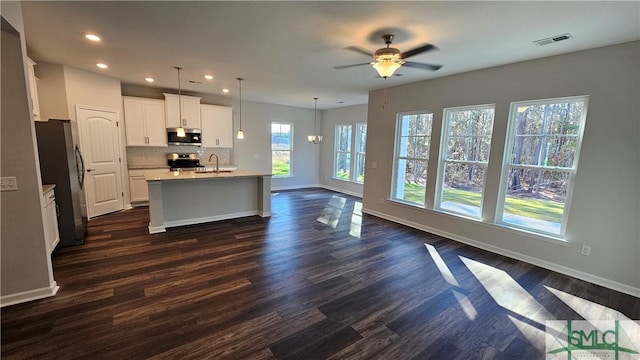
[374,165]
[8,183]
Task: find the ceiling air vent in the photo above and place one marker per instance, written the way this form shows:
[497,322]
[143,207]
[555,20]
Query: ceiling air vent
[553,39]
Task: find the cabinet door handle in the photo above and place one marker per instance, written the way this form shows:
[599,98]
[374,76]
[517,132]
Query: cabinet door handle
[90,170]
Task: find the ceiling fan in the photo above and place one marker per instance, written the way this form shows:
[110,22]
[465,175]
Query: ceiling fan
[387,59]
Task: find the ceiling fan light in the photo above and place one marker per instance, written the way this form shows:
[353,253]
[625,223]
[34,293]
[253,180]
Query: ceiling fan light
[386,68]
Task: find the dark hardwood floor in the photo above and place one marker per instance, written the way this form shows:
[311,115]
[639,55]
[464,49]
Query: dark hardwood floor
[315,281]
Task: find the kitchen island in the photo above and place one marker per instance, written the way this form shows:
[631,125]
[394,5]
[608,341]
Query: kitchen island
[180,198]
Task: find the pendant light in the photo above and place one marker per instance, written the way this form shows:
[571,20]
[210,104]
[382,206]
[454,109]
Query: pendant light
[315,138]
[180,130]
[240,132]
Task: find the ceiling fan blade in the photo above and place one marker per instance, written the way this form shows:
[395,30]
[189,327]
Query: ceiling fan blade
[359,50]
[418,50]
[424,66]
[348,66]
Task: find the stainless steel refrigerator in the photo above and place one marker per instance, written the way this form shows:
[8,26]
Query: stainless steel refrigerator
[61,164]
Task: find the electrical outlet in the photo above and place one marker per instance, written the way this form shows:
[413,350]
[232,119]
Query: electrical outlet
[586,250]
[8,183]
[382,200]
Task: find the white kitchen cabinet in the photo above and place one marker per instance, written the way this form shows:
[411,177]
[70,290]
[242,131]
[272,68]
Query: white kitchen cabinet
[138,190]
[52,236]
[144,121]
[190,111]
[33,88]
[217,126]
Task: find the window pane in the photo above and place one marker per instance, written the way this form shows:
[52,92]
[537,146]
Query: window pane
[415,135]
[360,168]
[281,163]
[535,199]
[343,166]
[361,140]
[413,139]
[281,145]
[544,136]
[412,181]
[462,188]
[343,140]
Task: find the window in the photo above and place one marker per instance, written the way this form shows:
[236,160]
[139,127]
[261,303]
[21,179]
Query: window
[541,158]
[281,148]
[411,158]
[464,153]
[361,149]
[342,169]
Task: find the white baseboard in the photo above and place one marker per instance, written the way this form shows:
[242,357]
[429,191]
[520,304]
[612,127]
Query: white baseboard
[174,223]
[294,187]
[30,295]
[341,191]
[594,279]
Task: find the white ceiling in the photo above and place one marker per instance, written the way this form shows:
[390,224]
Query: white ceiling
[286,51]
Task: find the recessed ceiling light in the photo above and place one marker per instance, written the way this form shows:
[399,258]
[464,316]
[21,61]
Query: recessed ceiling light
[149,79]
[92,37]
[225,91]
[208,77]
[101,65]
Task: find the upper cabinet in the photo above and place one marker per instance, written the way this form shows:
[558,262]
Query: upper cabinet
[144,121]
[190,111]
[33,89]
[217,126]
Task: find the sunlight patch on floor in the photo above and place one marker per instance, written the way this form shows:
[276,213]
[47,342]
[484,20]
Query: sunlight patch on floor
[332,211]
[534,335]
[466,305]
[442,266]
[507,292]
[356,220]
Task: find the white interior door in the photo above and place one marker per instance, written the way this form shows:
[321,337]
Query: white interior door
[100,141]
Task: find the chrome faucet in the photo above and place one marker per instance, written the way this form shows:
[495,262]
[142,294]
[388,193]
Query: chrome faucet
[217,164]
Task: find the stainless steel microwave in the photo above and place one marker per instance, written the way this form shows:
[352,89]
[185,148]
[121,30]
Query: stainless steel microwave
[191,137]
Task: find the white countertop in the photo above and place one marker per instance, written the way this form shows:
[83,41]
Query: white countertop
[190,175]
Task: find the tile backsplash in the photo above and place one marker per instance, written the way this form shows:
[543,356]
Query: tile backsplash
[156,156]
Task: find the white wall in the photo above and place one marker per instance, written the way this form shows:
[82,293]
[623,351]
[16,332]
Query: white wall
[331,118]
[25,265]
[604,213]
[254,152]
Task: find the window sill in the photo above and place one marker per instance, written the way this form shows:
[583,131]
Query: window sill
[494,226]
[347,180]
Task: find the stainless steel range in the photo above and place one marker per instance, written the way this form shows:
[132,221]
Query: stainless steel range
[184,162]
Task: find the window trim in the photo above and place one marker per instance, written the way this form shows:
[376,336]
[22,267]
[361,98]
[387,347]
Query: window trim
[506,164]
[291,136]
[443,151]
[396,151]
